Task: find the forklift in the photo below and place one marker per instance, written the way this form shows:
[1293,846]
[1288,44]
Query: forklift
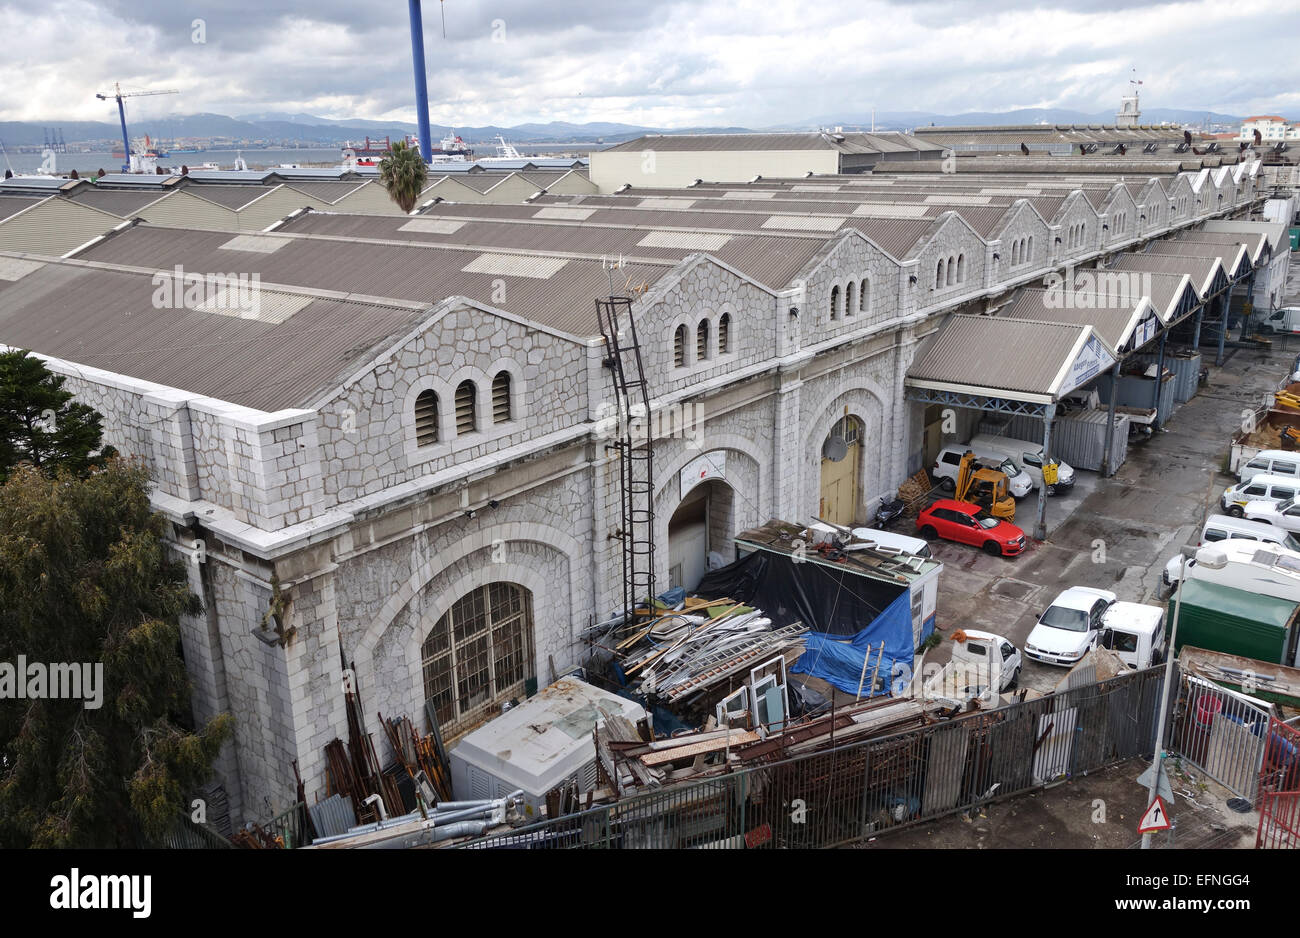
[979,485]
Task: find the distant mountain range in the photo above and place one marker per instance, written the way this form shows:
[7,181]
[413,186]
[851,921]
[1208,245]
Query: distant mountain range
[279,126]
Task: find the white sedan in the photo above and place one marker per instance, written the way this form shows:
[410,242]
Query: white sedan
[1285,515]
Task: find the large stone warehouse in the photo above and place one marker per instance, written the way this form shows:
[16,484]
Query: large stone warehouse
[404,428]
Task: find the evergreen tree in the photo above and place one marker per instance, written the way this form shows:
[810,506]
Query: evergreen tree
[40,422]
[85,577]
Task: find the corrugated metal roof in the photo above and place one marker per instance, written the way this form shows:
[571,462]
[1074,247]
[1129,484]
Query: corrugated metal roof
[1008,355]
[232,197]
[13,204]
[1233,257]
[107,319]
[122,202]
[1112,323]
[416,272]
[1200,269]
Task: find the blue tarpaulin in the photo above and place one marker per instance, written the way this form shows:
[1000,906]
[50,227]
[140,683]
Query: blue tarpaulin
[838,659]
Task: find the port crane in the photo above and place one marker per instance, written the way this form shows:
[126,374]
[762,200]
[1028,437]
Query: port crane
[118,94]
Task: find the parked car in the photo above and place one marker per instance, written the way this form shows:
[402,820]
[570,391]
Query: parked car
[1068,627]
[947,466]
[1285,515]
[969,524]
[1236,498]
[1026,455]
[1219,528]
[1276,462]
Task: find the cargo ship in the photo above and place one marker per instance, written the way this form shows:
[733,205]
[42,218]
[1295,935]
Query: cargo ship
[372,151]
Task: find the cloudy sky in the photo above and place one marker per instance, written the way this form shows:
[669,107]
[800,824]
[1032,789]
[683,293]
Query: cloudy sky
[668,63]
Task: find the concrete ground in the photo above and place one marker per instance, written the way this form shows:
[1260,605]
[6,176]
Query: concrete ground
[1114,533]
[1100,810]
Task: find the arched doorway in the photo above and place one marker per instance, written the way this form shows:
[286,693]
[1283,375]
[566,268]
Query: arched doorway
[841,471]
[478,654]
[701,524]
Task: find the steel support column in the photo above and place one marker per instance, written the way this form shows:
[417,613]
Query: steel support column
[1160,372]
[1223,327]
[1249,305]
[1107,469]
[1040,528]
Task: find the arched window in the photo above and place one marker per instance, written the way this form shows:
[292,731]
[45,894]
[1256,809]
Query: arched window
[864,296]
[1015,253]
[479,654]
[702,340]
[952,271]
[466,404]
[679,347]
[938,274]
[426,418]
[1083,233]
[848,299]
[835,302]
[961,268]
[1029,248]
[724,333]
[501,397]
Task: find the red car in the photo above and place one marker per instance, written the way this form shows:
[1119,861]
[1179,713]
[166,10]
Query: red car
[970,524]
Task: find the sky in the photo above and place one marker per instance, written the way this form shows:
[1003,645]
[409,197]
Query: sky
[658,63]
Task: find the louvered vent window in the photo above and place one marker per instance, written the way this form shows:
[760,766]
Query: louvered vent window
[724,334]
[501,397]
[702,340]
[465,416]
[426,419]
[679,347]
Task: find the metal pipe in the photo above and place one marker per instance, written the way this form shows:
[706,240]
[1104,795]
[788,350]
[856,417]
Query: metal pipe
[429,835]
[421,86]
[1040,529]
[1160,375]
[383,814]
[1107,469]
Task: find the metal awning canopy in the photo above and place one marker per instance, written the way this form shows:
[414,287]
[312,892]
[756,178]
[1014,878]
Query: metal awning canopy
[1007,365]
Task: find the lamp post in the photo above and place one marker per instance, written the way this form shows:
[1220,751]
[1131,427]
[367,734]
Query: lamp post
[1212,559]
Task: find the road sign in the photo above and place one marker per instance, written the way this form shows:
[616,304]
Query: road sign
[1156,818]
[1163,788]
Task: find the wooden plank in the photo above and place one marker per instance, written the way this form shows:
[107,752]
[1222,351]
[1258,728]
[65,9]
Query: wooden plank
[739,737]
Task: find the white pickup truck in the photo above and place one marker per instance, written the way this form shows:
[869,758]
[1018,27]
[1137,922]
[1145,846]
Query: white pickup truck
[982,666]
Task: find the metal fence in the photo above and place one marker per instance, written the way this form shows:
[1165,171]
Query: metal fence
[1222,733]
[848,794]
[1279,789]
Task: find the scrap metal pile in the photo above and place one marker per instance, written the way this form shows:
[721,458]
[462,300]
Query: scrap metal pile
[684,657]
[628,763]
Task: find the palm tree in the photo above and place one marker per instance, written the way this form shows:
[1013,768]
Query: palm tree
[404,174]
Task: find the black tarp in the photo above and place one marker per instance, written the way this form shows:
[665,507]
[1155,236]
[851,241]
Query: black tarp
[826,600]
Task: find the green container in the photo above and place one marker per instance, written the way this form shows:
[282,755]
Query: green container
[1236,622]
[1295,239]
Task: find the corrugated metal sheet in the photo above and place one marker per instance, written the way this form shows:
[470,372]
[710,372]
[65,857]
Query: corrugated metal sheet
[1078,437]
[13,204]
[1186,368]
[1007,355]
[54,227]
[333,816]
[412,272]
[122,202]
[108,319]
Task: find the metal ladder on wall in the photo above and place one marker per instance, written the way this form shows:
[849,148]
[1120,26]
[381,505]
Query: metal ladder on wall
[635,449]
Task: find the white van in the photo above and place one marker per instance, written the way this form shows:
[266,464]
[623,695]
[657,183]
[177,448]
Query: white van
[948,464]
[1264,569]
[1220,528]
[896,543]
[1028,456]
[1286,319]
[1272,488]
[1274,462]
